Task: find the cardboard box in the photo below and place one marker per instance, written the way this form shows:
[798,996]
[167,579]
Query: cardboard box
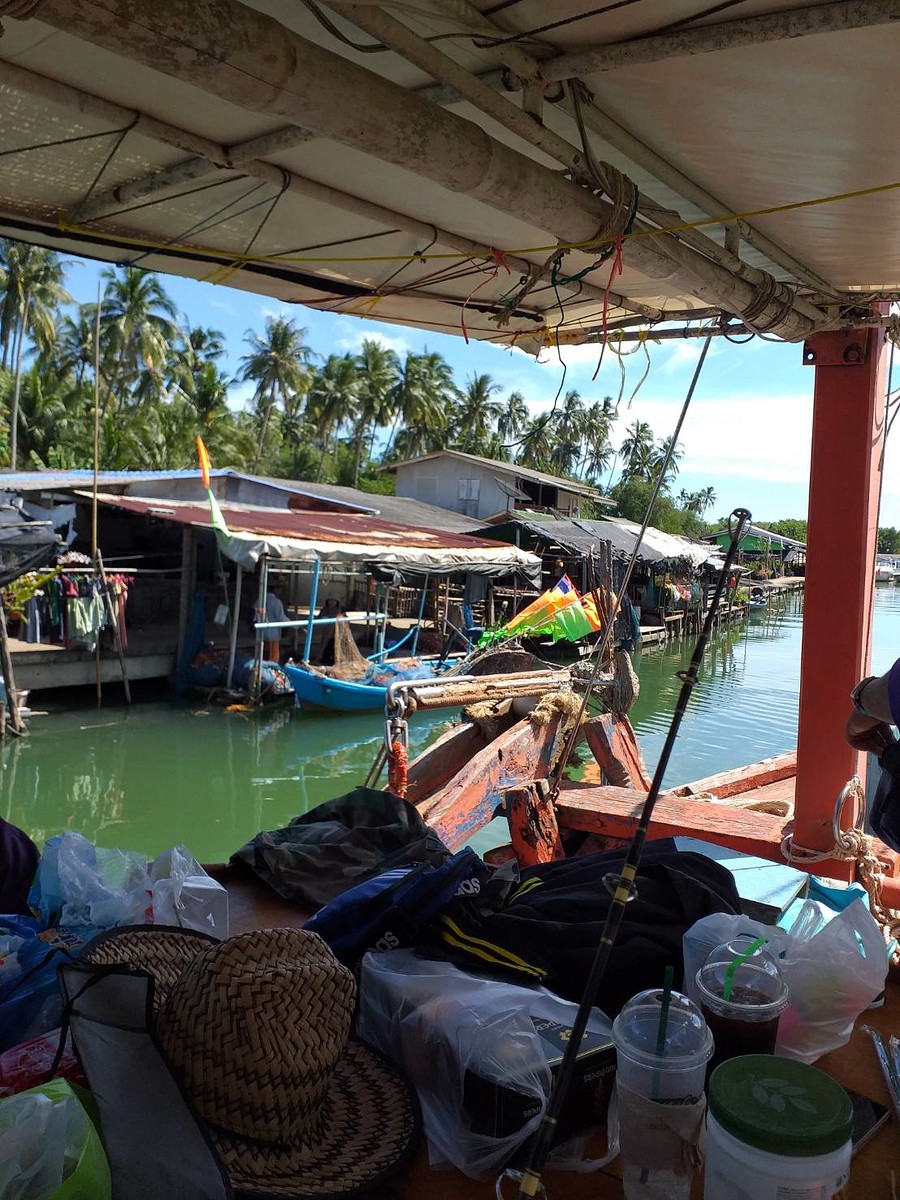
[496,1110]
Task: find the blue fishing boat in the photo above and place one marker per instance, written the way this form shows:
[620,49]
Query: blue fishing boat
[319,691]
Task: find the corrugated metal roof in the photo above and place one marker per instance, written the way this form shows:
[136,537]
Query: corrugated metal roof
[346,528]
[513,469]
[391,508]
[39,481]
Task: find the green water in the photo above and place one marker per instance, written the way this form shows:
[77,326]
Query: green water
[167,772]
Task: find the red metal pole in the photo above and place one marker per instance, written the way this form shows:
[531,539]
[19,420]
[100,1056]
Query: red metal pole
[848,429]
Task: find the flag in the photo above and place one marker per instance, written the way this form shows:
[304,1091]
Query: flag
[560,612]
[203,455]
[218,520]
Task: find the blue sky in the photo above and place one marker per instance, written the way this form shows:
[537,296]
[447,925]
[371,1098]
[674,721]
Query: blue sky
[747,433]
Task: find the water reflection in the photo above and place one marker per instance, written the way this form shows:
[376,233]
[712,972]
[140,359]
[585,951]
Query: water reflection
[161,773]
[164,773]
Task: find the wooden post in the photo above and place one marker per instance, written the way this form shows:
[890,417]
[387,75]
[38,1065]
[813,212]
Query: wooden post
[848,431]
[15,717]
[188,574]
[533,830]
[114,621]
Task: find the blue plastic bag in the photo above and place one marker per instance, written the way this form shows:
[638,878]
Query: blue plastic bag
[389,910]
[30,1003]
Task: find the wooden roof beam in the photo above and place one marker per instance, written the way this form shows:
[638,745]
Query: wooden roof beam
[838,16]
[485,97]
[522,70]
[208,157]
[250,60]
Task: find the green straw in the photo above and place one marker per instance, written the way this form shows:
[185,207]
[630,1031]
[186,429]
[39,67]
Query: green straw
[732,967]
[664,1012]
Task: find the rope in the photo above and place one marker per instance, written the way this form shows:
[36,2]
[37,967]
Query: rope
[521,251]
[398,768]
[853,845]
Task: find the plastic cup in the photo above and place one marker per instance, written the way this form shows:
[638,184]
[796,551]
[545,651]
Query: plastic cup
[668,1075]
[746,1022]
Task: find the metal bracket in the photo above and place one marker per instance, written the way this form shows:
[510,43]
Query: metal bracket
[837,348]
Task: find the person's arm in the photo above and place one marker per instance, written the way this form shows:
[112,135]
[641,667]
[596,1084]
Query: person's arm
[868,727]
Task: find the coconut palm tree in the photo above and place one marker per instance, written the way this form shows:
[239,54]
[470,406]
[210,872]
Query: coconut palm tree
[658,458]
[567,432]
[596,449]
[537,443]
[33,291]
[707,497]
[332,401]
[478,413]
[279,364]
[138,330]
[511,422]
[424,400]
[637,451]
[379,369]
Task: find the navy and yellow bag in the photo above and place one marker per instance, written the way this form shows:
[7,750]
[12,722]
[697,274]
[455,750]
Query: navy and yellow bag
[392,909]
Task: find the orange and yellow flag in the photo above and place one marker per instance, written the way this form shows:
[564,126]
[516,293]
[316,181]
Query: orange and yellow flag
[203,455]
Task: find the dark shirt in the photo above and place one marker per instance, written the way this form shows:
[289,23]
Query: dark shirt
[19,858]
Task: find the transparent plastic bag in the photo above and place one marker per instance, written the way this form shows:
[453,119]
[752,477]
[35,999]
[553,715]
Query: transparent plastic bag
[834,969]
[80,884]
[185,895]
[49,1150]
[450,1030]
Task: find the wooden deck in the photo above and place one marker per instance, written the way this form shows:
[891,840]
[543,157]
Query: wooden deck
[254,906]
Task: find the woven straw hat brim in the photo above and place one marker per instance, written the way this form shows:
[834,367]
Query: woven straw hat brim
[370,1121]
[163,951]
[371,1129]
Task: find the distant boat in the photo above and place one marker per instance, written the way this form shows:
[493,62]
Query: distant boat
[758,598]
[886,570]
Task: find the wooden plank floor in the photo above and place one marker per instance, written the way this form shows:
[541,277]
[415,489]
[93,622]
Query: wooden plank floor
[253,906]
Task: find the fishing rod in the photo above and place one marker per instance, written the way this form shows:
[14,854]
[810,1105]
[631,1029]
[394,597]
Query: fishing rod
[622,886]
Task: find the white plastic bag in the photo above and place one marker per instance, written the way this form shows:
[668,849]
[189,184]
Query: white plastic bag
[834,970]
[185,895]
[441,1023]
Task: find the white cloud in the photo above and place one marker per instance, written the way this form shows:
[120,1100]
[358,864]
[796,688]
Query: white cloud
[755,436]
[352,345]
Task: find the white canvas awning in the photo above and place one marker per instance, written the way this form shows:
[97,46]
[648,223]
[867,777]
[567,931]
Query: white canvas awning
[472,172]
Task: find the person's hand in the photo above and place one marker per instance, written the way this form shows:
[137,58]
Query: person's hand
[868,734]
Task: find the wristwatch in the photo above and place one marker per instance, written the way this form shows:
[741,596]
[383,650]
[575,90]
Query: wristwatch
[856,695]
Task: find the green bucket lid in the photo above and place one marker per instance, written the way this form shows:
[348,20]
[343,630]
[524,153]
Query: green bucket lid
[780,1106]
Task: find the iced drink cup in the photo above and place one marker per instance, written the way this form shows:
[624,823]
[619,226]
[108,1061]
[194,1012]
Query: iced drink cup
[747,1021]
[659,1087]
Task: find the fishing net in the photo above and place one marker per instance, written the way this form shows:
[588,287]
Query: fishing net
[349,664]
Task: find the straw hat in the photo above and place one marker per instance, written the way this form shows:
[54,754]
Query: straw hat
[256,1030]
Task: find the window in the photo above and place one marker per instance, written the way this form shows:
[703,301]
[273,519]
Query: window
[468,493]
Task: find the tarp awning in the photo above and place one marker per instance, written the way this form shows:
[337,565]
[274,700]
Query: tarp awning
[303,537]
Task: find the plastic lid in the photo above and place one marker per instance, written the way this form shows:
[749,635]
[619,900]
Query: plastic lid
[737,948]
[687,1039]
[780,1106]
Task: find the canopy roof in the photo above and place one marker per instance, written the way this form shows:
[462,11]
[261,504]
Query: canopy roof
[339,538]
[428,178]
[582,537]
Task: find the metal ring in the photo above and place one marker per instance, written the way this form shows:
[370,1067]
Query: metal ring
[853,785]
